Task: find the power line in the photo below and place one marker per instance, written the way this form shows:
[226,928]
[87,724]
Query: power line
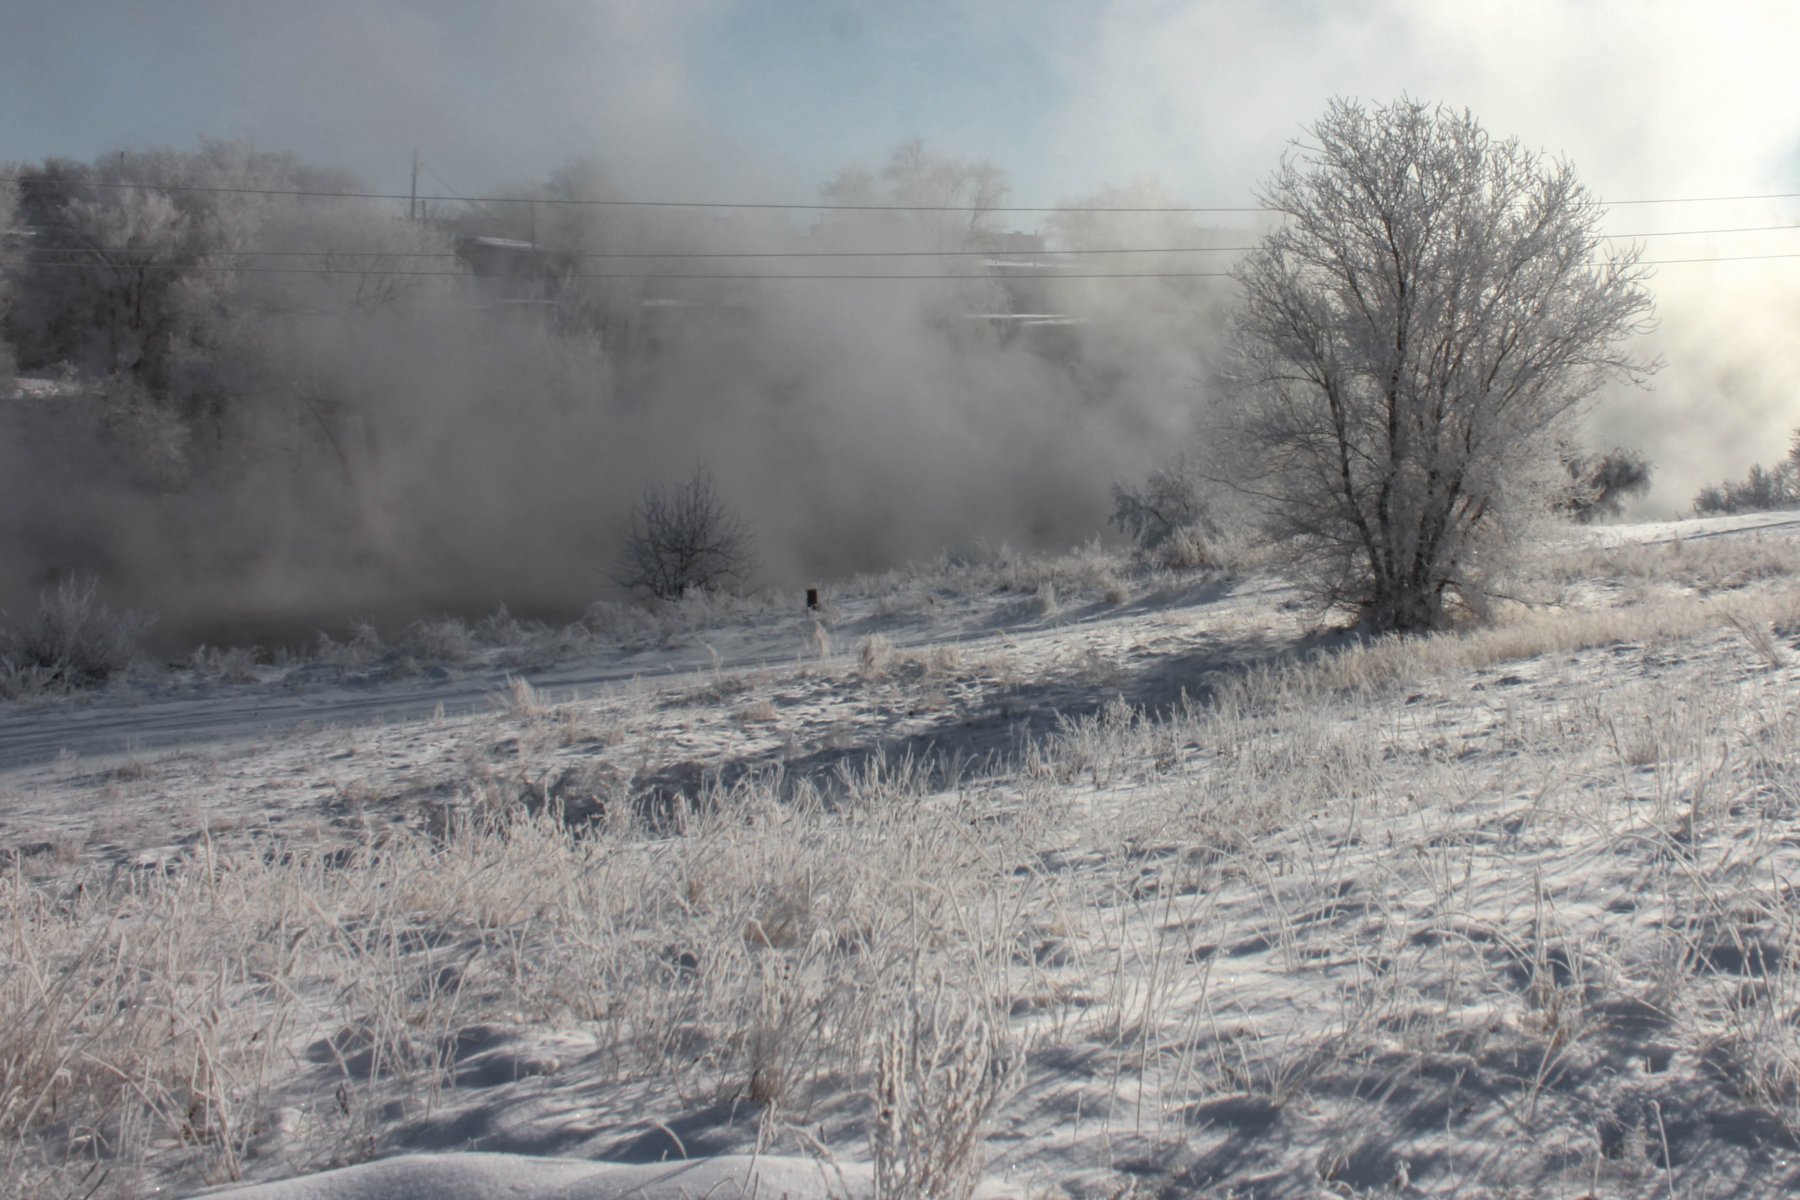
[75,266]
[709,204]
[825,206]
[997,254]
[821,206]
[441,180]
[740,275]
[1663,262]
[1693,232]
[1709,199]
[442,184]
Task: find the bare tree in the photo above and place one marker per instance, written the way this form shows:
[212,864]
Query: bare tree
[1417,337]
[684,537]
[130,239]
[1602,482]
[1162,506]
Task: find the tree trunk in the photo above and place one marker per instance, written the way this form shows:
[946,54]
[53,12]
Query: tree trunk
[1402,605]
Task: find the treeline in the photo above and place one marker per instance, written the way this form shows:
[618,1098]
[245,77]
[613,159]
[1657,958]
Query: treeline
[1764,489]
[255,399]
[188,305]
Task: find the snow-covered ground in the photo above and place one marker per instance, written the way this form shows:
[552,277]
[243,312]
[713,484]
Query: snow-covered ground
[1145,884]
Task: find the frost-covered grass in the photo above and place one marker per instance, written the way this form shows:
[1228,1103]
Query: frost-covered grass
[1505,911]
[73,642]
[1711,563]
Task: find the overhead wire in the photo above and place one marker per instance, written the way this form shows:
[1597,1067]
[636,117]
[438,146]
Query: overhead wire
[208,268]
[1709,199]
[684,255]
[441,183]
[711,253]
[1665,262]
[347,252]
[820,206]
[1694,232]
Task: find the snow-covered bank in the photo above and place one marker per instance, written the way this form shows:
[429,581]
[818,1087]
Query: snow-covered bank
[1507,911]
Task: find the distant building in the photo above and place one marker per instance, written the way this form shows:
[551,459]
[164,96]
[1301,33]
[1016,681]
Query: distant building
[508,271]
[646,314]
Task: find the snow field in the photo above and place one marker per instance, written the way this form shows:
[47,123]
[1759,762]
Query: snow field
[1504,912]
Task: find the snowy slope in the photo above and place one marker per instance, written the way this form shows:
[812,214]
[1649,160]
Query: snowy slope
[1506,912]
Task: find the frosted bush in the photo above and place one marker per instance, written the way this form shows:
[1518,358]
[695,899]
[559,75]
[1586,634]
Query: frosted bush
[72,640]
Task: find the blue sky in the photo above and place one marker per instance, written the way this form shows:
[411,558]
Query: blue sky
[787,92]
[736,98]
[830,82]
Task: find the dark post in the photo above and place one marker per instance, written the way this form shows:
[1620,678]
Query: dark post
[812,598]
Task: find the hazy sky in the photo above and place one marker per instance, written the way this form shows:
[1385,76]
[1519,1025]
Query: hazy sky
[747,96]
[762,99]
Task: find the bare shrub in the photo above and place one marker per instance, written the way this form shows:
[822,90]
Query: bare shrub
[684,538]
[1167,503]
[446,640]
[547,644]
[501,628]
[23,683]
[944,1066]
[72,640]
[234,664]
[618,622]
[362,648]
[1600,483]
[1189,548]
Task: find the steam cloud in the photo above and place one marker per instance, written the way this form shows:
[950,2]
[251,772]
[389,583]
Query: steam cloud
[388,445]
[855,424]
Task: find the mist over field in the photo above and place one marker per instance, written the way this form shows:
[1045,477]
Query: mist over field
[285,450]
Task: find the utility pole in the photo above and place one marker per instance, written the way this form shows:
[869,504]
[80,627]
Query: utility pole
[412,200]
